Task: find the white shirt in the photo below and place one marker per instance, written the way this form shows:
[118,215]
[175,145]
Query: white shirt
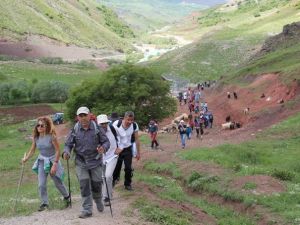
[124,135]
[110,154]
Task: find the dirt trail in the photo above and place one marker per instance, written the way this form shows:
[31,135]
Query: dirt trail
[70,216]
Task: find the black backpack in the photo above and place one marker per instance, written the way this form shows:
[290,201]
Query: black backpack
[113,130]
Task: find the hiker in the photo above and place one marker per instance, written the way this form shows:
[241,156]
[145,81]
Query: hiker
[127,133]
[228,95]
[182,132]
[185,97]
[199,125]
[210,119]
[109,158]
[45,140]
[89,142]
[152,129]
[235,95]
[180,97]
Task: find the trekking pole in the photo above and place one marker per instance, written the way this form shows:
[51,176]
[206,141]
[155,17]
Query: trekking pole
[176,140]
[69,183]
[107,191]
[20,181]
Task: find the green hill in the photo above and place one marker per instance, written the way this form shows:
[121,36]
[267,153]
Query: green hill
[83,23]
[149,15]
[228,37]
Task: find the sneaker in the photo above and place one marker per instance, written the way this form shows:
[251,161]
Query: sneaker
[106,201]
[100,207]
[84,215]
[128,188]
[67,202]
[43,207]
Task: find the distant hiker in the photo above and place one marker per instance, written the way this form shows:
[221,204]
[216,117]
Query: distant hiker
[182,132]
[197,96]
[109,158]
[199,126]
[89,143]
[153,129]
[210,119]
[228,94]
[185,97]
[262,96]
[45,140]
[127,133]
[180,97]
[235,95]
[188,131]
[205,107]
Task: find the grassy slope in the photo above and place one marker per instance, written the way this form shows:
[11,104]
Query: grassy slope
[227,39]
[84,23]
[71,74]
[274,153]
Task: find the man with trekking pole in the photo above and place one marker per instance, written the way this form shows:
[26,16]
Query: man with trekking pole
[89,143]
[110,158]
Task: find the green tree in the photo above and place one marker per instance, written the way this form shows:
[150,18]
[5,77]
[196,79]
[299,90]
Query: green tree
[123,88]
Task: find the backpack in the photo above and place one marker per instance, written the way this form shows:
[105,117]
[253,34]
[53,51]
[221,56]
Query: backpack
[134,128]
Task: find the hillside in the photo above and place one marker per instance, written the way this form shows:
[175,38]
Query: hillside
[149,15]
[226,38]
[82,23]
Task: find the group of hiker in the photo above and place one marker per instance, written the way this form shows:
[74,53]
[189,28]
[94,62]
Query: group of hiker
[199,116]
[100,149]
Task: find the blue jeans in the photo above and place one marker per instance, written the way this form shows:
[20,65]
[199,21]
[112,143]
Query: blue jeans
[183,138]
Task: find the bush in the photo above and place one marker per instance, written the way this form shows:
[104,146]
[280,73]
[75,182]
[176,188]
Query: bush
[11,93]
[123,88]
[51,91]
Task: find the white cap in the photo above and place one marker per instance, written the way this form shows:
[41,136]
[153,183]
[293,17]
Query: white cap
[83,110]
[181,121]
[102,119]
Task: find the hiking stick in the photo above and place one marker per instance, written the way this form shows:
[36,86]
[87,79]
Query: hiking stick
[20,181]
[107,191]
[176,140]
[69,183]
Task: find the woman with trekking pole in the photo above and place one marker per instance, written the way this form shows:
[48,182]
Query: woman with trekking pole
[47,162]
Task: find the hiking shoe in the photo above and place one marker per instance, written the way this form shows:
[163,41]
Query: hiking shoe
[84,215]
[106,201]
[100,206]
[43,207]
[128,188]
[67,201]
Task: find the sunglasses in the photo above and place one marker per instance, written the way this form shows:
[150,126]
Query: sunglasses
[40,125]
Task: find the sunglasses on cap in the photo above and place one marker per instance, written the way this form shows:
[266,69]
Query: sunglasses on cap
[82,115]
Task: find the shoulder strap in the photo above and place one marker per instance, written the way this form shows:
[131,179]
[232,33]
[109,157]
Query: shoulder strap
[113,130]
[119,123]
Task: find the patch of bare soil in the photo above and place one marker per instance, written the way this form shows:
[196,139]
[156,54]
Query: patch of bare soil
[264,185]
[22,113]
[35,46]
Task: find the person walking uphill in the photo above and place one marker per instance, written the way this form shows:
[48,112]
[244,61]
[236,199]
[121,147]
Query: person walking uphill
[110,158]
[45,140]
[152,129]
[89,142]
[127,133]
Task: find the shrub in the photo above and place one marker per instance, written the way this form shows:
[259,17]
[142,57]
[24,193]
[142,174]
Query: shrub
[52,60]
[51,91]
